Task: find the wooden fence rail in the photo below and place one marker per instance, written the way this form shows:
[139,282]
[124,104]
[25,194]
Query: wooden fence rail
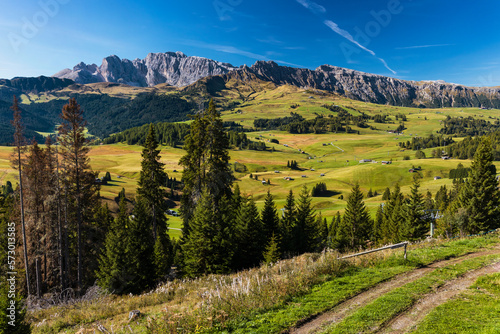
[402,244]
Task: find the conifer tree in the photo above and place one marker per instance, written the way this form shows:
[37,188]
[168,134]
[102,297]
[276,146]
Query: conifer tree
[139,248]
[113,267]
[270,220]
[355,227]
[415,226]
[203,249]
[429,202]
[387,194]
[321,239]
[287,223]
[332,231]
[206,163]
[305,230]
[151,183]
[249,239]
[79,181]
[442,199]
[162,257]
[393,217]
[378,223]
[480,196]
[272,253]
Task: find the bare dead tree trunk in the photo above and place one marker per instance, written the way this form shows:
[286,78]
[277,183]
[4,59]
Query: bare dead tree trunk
[19,142]
[79,227]
[25,248]
[59,224]
[37,273]
[66,242]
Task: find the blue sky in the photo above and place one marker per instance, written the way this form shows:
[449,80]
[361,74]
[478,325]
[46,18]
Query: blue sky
[455,41]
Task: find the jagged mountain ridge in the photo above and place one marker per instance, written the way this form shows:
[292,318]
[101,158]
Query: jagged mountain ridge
[374,88]
[173,68]
[179,70]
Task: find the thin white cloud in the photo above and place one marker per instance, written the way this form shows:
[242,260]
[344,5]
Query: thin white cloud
[233,50]
[312,6]
[294,48]
[334,26]
[422,46]
[270,40]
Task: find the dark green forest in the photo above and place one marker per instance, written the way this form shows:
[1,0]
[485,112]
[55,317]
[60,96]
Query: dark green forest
[104,114]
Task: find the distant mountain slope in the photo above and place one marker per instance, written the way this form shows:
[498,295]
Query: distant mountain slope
[179,70]
[173,68]
[18,86]
[374,88]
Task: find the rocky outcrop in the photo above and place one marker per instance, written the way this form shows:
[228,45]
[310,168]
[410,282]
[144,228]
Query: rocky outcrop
[179,70]
[376,88]
[173,68]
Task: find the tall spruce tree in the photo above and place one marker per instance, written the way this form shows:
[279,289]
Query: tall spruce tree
[206,163]
[140,248]
[332,231]
[270,220]
[205,249]
[378,223]
[287,223]
[394,218]
[415,226]
[305,230]
[82,190]
[113,272]
[480,196]
[151,189]
[355,228]
[151,183]
[249,239]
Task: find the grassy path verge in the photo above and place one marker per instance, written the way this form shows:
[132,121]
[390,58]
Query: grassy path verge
[348,307]
[476,310]
[410,318]
[375,315]
[324,297]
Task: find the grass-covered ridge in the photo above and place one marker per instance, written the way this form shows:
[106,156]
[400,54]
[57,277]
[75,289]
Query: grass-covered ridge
[266,299]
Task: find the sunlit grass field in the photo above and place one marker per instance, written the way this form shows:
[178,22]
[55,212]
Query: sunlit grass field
[335,155]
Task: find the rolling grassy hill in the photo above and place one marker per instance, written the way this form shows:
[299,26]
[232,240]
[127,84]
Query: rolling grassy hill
[336,155]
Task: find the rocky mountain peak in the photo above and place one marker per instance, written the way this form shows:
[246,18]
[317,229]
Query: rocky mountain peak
[173,68]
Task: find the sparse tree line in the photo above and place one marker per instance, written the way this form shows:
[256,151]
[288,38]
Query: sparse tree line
[173,134]
[341,122]
[468,126]
[295,123]
[420,143]
[446,146]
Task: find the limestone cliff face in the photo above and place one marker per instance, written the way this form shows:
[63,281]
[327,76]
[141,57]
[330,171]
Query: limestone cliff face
[173,68]
[177,69]
[376,88]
